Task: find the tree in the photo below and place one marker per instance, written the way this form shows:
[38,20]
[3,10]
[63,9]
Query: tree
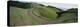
[19,4]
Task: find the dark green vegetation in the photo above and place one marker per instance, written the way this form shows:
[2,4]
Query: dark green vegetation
[19,4]
[33,14]
[71,15]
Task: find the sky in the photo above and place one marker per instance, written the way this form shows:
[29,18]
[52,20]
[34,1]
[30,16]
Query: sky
[63,6]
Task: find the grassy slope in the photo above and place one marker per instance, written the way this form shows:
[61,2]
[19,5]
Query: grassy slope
[48,13]
[19,16]
[44,11]
[69,17]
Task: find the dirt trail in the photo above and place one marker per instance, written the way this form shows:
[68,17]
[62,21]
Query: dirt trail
[41,21]
[44,21]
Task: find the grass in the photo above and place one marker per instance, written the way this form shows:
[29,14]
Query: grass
[18,16]
[46,12]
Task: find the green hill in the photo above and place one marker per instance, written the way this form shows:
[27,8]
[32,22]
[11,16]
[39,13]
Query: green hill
[37,14]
